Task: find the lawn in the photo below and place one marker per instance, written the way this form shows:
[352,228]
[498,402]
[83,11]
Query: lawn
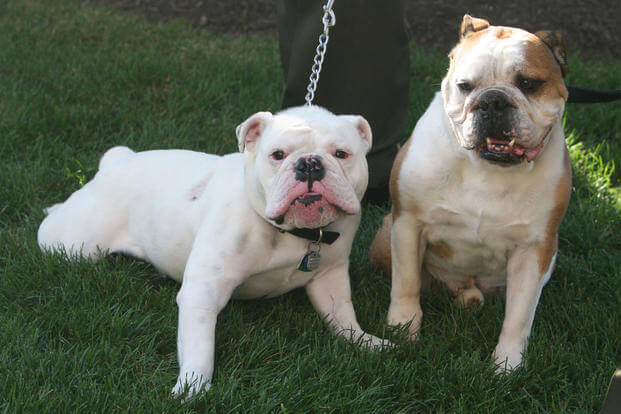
[76,79]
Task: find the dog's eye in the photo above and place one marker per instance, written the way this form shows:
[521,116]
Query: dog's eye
[341,154]
[277,155]
[465,86]
[528,85]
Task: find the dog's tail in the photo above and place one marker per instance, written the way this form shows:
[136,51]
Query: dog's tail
[114,155]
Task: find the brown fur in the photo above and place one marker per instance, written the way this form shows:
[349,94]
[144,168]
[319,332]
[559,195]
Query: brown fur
[470,25]
[545,51]
[542,65]
[503,32]
[554,40]
[562,194]
[441,249]
[379,252]
[467,42]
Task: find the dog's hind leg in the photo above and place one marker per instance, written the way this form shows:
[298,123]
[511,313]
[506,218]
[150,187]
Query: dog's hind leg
[88,224]
[93,220]
[82,225]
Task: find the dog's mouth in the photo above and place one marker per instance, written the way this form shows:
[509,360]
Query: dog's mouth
[307,199]
[309,210]
[507,152]
[299,206]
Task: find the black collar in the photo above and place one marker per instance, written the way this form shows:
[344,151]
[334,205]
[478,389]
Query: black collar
[314,235]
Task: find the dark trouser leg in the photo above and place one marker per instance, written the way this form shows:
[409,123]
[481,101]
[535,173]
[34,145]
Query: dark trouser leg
[365,71]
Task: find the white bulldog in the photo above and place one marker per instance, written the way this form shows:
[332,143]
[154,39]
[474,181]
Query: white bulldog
[480,188]
[281,215]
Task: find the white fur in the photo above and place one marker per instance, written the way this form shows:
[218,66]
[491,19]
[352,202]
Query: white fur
[200,219]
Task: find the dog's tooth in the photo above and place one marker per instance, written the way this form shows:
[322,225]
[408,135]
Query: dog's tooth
[489,141]
[512,143]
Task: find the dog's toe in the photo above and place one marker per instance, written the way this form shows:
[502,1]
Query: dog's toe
[189,386]
[375,343]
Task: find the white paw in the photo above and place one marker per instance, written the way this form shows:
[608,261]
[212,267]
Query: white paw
[408,315]
[374,343]
[507,360]
[189,385]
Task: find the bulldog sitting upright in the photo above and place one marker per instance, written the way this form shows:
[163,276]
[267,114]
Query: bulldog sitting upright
[279,216]
[480,188]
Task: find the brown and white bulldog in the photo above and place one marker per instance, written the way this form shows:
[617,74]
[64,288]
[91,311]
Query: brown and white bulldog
[481,186]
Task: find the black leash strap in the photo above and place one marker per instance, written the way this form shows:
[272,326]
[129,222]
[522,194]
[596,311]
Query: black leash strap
[588,95]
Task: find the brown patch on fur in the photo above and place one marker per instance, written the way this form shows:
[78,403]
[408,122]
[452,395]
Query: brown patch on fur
[554,40]
[545,52]
[503,32]
[441,249]
[561,197]
[467,42]
[542,65]
[379,252]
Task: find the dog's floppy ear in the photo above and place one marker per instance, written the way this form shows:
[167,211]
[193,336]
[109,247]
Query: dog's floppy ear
[249,131]
[363,128]
[554,40]
[470,25]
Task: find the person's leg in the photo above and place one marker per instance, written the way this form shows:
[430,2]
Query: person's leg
[365,71]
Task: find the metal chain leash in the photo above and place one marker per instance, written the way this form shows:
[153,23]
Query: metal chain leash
[328,20]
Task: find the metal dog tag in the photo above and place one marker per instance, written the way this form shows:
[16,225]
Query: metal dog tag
[310,261]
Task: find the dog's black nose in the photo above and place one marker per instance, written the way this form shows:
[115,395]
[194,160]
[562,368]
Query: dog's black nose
[309,169]
[492,104]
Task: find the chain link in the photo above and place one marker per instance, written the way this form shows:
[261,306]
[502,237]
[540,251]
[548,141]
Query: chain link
[328,20]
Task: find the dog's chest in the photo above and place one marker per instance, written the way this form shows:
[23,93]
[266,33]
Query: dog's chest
[471,231]
[273,282]
[280,274]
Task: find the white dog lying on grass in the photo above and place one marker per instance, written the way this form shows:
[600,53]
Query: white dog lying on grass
[280,215]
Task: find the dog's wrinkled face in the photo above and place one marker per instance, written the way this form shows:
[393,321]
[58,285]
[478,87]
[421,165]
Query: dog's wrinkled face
[504,91]
[305,166]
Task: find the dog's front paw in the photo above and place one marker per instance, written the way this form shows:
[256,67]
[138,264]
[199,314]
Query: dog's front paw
[507,358]
[407,315]
[374,343]
[190,384]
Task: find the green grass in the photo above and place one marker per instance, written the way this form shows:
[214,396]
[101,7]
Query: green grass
[82,337]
